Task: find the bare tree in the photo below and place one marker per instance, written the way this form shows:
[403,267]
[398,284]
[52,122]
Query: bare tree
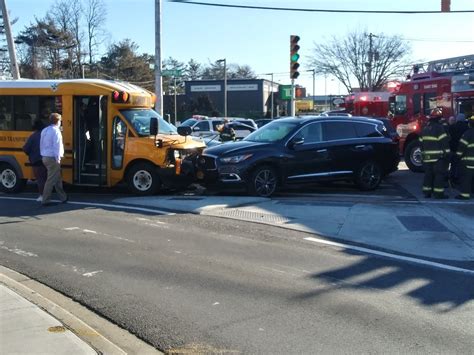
[348,59]
[95,15]
[68,14]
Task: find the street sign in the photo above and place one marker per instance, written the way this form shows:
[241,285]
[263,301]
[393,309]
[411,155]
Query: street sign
[285,92]
[171,72]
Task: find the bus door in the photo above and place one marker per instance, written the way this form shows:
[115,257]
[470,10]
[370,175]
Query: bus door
[90,116]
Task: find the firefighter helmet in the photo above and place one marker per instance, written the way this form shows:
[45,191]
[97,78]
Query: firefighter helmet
[436,113]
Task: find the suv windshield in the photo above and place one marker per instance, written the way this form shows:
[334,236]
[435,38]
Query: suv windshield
[189,122]
[140,120]
[272,132]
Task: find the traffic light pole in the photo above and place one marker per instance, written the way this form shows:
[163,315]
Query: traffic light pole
[158,80]
[292,102]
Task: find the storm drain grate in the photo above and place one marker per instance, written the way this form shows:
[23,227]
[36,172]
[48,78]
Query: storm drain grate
[186,198]
[422,223]
[252,216]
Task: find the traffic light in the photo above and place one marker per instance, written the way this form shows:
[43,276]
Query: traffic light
[294,56]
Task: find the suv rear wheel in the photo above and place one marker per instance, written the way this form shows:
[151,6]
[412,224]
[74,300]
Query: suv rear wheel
[263,181]
[369,176]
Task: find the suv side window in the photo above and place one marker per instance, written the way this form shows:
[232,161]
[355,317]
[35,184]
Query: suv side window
[312,133]
[367,130]
[203,126]
[338,130]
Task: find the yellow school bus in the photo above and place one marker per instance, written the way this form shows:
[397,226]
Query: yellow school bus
[110,131]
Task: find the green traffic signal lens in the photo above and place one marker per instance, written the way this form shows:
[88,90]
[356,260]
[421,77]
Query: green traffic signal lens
[295,57]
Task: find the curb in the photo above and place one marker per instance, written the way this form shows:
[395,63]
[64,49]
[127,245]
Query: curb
[103,336]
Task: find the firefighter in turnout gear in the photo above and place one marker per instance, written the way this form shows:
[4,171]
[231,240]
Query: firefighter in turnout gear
[465,153]
[436,152]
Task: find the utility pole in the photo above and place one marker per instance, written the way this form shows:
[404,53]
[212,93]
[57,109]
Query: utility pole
[314,84]
[158,79]
[271,93]
[175,101]
[11,45]
[272,98]
[225,84]
[369,67]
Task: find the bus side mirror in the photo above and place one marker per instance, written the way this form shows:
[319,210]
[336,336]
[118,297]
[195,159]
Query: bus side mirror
[153,126]
[184,131]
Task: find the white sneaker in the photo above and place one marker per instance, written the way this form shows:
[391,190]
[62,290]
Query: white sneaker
[40,199]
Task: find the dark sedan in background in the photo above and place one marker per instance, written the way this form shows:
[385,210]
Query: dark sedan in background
[304,150]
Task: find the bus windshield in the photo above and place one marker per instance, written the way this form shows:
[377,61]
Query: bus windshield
[140,120]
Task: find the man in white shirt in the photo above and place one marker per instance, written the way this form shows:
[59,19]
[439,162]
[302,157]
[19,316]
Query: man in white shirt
[52,150]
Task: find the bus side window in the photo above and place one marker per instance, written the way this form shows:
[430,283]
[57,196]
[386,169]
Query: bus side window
[6,122]
[119,134]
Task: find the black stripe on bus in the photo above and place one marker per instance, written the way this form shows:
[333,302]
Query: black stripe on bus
[68,151]
[62,166]
[12,149]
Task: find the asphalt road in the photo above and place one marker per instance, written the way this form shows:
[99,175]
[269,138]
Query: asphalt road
[184,282]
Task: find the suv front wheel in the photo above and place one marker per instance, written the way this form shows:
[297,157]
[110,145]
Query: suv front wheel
[263,181]
[368,176]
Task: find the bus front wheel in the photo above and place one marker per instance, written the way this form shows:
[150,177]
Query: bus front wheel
[142,179]
[10,181]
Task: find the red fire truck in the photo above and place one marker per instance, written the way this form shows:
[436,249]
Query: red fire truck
[369,104]
[445,83]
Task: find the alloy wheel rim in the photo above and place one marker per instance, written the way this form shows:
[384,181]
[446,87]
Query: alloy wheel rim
[370,175]
[8,178]
[265,183]
[416,157]
[142,180]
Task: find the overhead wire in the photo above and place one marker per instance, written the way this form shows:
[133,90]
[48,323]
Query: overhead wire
[255,7]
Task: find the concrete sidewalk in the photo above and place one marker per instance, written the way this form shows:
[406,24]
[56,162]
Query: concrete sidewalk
[27,329]
[418,228]
[35,319]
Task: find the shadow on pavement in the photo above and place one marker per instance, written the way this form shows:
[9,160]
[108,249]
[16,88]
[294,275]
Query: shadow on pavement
[442,291]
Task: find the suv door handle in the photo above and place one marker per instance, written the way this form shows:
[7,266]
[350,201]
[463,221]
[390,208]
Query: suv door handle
[321,150]
[360,146]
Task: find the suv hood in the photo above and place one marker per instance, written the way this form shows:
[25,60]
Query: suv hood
[234,147]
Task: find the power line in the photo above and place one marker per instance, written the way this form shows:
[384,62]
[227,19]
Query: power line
[435,40]
[253,7]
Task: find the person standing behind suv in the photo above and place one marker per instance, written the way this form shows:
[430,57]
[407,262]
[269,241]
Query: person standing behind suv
[227,133]
[52,150]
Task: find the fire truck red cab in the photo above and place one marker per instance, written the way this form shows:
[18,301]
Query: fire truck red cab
[428,86]
[369,104]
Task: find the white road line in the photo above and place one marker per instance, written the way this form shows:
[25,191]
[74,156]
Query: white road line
[391,256]
[141,209]
[92,273]
[18,251]
[89,231]
[71,228]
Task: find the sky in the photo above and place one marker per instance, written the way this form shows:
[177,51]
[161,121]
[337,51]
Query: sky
[260,38]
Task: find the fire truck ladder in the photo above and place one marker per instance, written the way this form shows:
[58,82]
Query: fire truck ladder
[448,66]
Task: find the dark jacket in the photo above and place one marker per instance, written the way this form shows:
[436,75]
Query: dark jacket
[456,131]
[32,148]
[434,142]
[466,148]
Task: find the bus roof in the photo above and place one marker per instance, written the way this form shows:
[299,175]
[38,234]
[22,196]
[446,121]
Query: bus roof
[54,84]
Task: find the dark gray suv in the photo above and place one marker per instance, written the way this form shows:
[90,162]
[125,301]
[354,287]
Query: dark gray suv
[303,150]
